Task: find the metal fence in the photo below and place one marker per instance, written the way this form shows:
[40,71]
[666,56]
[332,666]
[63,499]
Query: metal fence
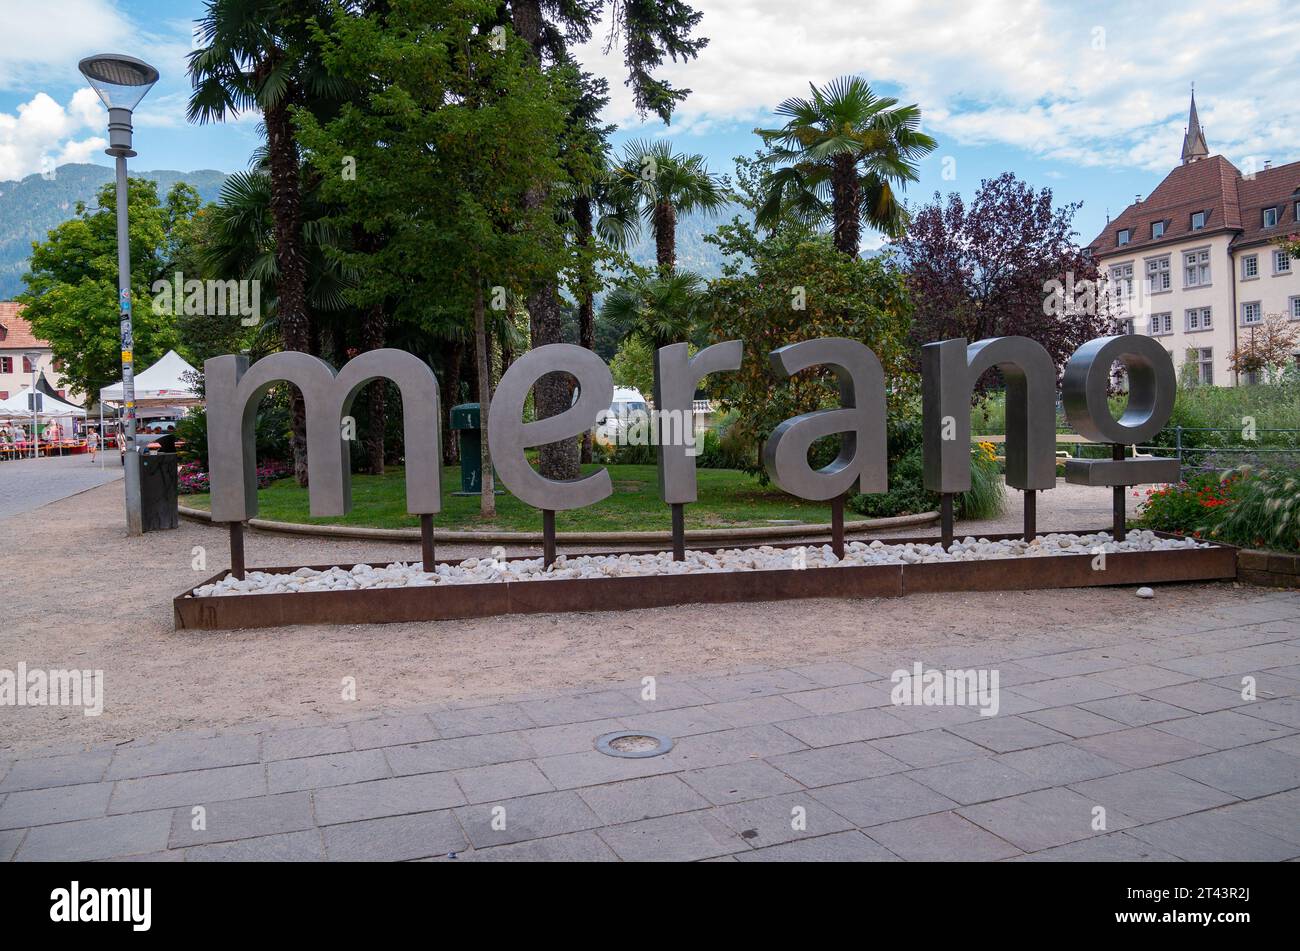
[1192,456]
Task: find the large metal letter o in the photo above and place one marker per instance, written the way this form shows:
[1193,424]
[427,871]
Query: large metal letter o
[1152,386]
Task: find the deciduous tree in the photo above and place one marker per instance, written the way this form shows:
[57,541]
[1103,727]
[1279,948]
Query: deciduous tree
[984,270]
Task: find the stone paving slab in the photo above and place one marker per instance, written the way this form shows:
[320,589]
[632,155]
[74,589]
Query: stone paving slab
[1110,744]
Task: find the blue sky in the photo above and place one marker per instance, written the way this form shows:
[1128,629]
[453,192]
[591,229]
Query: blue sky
[1090,100]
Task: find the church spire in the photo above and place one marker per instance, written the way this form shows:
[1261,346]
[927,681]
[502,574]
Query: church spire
[1194,146]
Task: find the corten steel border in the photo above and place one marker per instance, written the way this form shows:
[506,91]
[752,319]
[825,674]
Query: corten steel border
[447,602]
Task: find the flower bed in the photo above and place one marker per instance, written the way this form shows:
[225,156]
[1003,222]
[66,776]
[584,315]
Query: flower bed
[191,479]
[1253,508]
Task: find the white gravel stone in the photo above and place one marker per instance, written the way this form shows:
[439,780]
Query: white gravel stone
[765,557]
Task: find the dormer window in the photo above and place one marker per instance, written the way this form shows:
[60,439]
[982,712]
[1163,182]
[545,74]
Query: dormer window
[1198,220]
[1122,237]
[1157,229]
[1270,217]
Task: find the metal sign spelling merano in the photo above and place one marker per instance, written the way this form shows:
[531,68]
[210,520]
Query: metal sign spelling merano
[950,369]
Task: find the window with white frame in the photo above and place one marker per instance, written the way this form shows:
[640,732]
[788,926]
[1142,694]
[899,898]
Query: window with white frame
[1270,217]
[1197,318]
[1281,261]
[1158,279]
[1205,365]
[1121,281]
[1196,268]
[1122,237]
[1295,308]
[1157,229]
[1198,220]
[1162,324]
[1249,267]
[6,364]
[1252,312]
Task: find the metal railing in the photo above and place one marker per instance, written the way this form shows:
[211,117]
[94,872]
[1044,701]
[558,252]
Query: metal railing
[1190,456]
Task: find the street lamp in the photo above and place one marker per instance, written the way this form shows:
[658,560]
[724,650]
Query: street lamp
[121,82]
[33,359]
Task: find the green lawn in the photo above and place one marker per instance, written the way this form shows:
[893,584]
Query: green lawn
[727,498]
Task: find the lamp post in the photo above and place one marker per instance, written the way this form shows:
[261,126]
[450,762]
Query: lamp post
[121,82]
[34,361]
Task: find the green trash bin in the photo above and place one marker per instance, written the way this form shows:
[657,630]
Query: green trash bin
[467,420]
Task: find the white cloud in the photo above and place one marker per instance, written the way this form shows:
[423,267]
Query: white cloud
[44,41]
[44,134]
[1106,84]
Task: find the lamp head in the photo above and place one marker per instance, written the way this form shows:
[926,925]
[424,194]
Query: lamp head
[120,81]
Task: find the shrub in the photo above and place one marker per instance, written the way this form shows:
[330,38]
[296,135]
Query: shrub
[272,429]
[1254,508]
[1193,507]
[1264,511]
[987,496]
[907,494]
[191,478]
[634,455]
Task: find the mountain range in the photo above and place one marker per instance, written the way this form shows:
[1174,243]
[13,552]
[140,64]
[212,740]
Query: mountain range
[30,207]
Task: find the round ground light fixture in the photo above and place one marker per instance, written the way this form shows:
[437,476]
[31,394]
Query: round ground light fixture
[634,744]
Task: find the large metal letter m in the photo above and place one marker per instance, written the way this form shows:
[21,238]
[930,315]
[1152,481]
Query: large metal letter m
[234,389]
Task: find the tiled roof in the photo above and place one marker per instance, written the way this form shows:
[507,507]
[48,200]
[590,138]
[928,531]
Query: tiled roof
[1213,185]
[16,333]
[1271,188]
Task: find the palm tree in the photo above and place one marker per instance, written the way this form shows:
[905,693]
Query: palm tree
[660,309]
[665,184]
[602,211]
[843,152]
[258,54]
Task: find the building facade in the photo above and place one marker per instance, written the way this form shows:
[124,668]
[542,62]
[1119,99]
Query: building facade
[1196,264]
[17,344]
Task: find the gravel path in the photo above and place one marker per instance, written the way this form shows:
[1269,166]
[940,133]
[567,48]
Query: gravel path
[77,593]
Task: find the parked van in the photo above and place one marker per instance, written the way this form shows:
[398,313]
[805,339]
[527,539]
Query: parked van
[628,404]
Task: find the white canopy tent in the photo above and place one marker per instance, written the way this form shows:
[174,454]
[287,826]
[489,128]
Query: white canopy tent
[164,383]
[19,407]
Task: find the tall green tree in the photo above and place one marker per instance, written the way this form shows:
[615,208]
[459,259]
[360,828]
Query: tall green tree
[258,55]
[454,127]
[664,184]
[647,31]
[841,159]
[71,296]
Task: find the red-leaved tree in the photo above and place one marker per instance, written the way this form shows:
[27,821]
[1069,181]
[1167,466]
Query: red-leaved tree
[985,270]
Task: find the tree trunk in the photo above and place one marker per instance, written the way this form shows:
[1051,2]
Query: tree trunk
[557,460]
[526,16]
[846,196]
[665,226]
[286,214]
[487,489]
[582,214]
[373,327]
[507,351]
[451,397]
